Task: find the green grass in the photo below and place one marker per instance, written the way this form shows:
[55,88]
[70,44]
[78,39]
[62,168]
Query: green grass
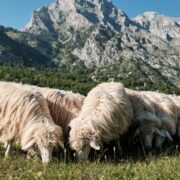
[153,167]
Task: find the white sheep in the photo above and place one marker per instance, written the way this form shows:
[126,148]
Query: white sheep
[25,119]
[63,105]
[166,111]
[106,114]
[176,100]
[144,117]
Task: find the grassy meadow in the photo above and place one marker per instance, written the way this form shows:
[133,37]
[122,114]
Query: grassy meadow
[164,166]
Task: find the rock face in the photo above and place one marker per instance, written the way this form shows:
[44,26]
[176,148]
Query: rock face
[96,33]
[61,15]
[165,27]
[52,17]
[104,46]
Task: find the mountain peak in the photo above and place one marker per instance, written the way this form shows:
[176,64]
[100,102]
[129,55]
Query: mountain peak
[166,27]
[64,5]
[150,13]
[77,14]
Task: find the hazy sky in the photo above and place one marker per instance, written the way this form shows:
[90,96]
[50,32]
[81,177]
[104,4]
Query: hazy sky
[16,13]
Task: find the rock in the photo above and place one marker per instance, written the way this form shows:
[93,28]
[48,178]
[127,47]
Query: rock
[165,27]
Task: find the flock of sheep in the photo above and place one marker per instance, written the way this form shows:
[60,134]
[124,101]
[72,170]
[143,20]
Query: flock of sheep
[41,119]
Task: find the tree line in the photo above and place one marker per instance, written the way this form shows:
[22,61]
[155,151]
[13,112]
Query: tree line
[77,80]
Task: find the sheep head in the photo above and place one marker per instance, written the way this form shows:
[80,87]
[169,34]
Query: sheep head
[43,139]
[82,138]
[147,132]
[161,137]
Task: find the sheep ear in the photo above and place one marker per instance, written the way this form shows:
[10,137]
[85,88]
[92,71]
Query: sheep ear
[28,145]
[168,136]
[160,133]
[94,144]
[136,133]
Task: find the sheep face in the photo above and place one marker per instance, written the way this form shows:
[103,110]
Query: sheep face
[82,148]
[161,136]
[147,133]
[82,139]
[147,139]
[44,140]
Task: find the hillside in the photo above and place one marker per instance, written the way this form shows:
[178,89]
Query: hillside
[96,35]
[14,52]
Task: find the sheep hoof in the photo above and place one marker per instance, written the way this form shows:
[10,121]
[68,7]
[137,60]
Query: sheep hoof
[7,155]
[5,145]
[8,148]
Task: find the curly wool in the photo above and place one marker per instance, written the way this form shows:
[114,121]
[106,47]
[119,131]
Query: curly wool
[143,108]
[23,110]
[166,110]
[105,115]
[176,100]
[63,105]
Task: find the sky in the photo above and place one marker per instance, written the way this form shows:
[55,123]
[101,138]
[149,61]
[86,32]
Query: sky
[17,13]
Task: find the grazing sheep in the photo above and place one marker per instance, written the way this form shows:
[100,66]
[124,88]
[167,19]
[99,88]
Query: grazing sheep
[106,114]
[63,105]
[176,100]
[166,111]
[25,119]
[144,117]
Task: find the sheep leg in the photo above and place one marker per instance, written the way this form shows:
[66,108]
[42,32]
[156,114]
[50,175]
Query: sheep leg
[178,133]
[8,148]
[5,145]
[118,146]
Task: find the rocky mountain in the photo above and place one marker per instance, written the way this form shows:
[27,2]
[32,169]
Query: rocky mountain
[98,35]
[165,27]
[63,16]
